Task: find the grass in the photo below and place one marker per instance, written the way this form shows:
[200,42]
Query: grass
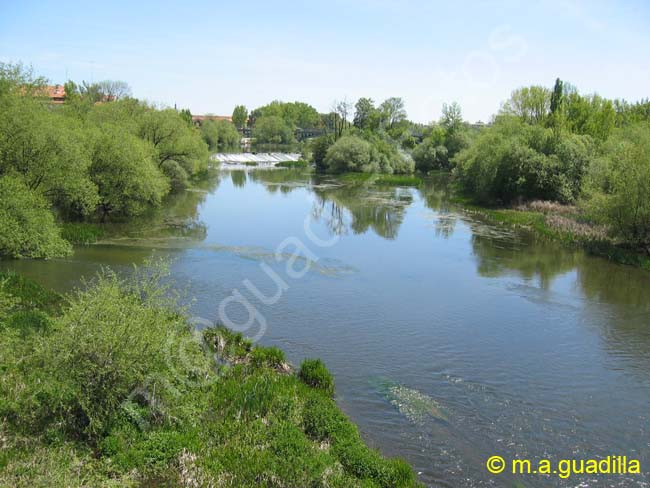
[174,417]
[300,164]
[560,223]
[81,233]
[382,179]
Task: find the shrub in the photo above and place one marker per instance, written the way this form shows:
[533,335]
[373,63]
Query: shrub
[314,373]
[271,357]
[319,147]
[429,156]
[511,161]
[27,225]
[624,185]
[349,153]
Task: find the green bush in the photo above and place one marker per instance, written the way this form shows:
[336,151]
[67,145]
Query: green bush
[621,181]
[271,357]
[314,373]
[350,153]
[513,161]
[27,227]
[429,156]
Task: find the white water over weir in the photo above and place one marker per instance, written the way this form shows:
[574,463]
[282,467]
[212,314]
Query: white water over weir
[254,159]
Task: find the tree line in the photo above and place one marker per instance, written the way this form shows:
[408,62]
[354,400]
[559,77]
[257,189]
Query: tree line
[99,155]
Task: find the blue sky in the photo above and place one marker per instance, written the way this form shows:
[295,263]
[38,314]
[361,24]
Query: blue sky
[212,55]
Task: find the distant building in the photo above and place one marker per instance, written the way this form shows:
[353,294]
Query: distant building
[56,94]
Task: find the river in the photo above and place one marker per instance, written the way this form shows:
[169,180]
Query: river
[450,339]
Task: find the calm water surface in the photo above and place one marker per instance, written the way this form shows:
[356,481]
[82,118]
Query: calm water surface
[451,340]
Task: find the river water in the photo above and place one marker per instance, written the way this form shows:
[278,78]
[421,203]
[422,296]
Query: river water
[450,339]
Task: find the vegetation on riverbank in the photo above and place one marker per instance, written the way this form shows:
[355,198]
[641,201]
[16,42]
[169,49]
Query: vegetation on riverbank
[100,155]
[111,386]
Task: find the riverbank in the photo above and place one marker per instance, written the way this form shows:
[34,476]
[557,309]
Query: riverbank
[562,223]
[112,386]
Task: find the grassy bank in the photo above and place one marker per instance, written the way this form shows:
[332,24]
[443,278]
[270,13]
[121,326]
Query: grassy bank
[561,223]
[112,387]
[382,179]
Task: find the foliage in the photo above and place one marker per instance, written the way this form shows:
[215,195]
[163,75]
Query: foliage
[272,129]
[240,116]
[429,156]
[530,104]
[364,111]
[81,232]
[27,227]
[349,153]
[125,174]
[220,134]
[620,182]
[116,391]
[513,160]
[319,148]
[293,114]
[314,373]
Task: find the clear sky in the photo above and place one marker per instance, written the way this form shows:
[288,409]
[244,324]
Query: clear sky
[211,55]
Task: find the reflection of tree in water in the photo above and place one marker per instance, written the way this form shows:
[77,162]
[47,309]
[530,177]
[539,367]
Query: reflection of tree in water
[500,252]
[619,302]
[177,217]
[379,209]
[238,177]
[283,180]
[435,193]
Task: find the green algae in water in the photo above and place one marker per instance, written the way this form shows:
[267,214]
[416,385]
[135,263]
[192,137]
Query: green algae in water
[413,404]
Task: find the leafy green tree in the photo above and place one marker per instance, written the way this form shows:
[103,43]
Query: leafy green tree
[240,116]
[127,178]
[349,153]
[48,150]
[430,156]
[319,147]
[272,129]
[294,114]
[591,115]
[27,227]
[531,104]
[364,110]
[514,160]
[186,115]
[392,111]
[173,140]
[624,185]
[219,134]
[557,97]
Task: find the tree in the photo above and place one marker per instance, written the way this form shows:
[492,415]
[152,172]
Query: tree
[174,140]
[113,90]
[186,115]
[272,129]
[430,156]
[363,112]
[341,110]
[27,226]
[392,111]
[219,134]
[531,104]
[349,153]
[48,150]
[240,116]
[319,147]
[452,117]
[124,169]
[625,185]
[557,97]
